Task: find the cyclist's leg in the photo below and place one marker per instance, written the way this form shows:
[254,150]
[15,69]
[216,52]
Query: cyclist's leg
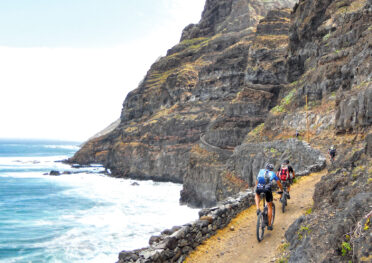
[269,200]
[257,199]
[281,189]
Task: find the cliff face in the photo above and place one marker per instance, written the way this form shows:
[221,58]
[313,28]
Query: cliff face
[208,84]
[231,94]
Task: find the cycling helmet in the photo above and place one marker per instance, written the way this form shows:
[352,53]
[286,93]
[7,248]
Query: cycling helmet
[332,147]
[269,166]
[286,162]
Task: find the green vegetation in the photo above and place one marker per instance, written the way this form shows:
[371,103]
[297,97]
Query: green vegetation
[326,37]
[258,129]
[274,152]
[354,6]
[281,107]
[303,231]
[193,41]
[283,260]
[309,211]
[366,225]
[361,85]
[345,248]
[358,171]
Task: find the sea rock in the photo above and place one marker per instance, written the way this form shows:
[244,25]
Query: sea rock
[54,173]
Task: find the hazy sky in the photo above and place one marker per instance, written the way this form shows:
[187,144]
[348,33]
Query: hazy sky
[67,65]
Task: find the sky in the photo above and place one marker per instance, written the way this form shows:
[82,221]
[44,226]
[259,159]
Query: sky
[67,66]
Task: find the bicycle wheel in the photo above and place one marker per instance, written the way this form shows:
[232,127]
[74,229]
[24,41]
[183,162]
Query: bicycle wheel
[260,227]
[273,216]
[284,201]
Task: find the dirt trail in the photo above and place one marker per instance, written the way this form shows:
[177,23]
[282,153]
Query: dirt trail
[241,245]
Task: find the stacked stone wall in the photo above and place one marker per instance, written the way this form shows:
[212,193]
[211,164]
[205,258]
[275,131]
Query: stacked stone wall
[173,245]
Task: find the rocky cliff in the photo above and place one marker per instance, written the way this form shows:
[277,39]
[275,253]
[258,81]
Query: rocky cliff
[219,82]
[230,96]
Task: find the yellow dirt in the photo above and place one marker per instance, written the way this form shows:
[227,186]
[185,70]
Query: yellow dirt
[237,242]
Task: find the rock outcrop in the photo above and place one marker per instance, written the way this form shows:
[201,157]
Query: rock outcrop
[208,85]
[338,227]
[208,113]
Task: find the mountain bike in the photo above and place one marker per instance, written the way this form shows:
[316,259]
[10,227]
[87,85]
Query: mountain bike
[284,194]
[263,218]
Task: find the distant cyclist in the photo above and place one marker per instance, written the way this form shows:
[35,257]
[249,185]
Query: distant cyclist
[332,153]
[286,173]
[263,185]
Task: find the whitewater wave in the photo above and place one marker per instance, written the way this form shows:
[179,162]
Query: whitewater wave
[84,216]
[68,147]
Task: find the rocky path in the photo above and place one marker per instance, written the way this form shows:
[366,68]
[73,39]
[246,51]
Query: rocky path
[238,243]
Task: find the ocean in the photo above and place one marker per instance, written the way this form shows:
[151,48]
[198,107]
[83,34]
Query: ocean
[79,216]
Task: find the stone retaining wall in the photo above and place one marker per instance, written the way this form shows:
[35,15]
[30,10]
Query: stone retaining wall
[173,245]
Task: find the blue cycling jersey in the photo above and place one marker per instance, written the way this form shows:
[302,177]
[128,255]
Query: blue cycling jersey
[270,174]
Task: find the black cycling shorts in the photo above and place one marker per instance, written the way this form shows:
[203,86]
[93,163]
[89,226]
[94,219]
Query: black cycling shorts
[268,193]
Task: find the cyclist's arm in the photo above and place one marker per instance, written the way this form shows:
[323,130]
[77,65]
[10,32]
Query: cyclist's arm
[280,185]
[275,177]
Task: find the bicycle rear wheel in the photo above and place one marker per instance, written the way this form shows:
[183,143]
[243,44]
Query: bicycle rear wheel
[284,201]
[260,227]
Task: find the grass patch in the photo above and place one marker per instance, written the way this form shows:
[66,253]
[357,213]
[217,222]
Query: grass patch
[281,107]
[258,130]
[131,129]
[303,231]
[355,5]
[326,37]
[193,41]
[309,211]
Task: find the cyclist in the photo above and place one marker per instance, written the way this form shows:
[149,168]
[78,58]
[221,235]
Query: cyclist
[285,172]
[332,153]
[263,185]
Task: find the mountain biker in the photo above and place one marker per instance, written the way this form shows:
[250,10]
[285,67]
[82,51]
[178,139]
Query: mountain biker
[332,153]
[286,173]
[263,185]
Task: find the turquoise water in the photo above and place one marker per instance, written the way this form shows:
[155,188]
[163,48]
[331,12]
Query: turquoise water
[78,217]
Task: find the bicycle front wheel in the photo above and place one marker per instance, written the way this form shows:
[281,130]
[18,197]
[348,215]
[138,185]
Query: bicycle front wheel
[260,227]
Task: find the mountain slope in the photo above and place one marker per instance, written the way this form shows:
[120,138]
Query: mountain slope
[200,88]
